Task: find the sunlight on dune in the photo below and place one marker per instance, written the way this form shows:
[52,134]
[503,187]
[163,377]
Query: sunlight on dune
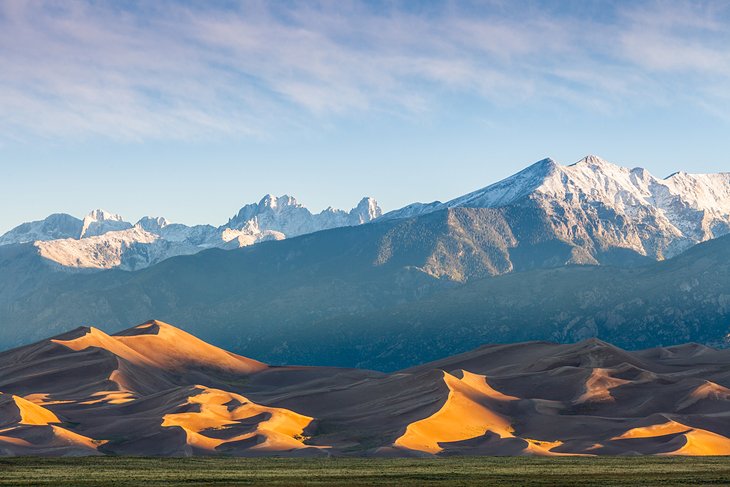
[466,414]
[599,385]
[33,414]
[158,344]
[697,441]
[213,423]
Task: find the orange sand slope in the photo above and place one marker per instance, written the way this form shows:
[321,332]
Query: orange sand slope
[156,390]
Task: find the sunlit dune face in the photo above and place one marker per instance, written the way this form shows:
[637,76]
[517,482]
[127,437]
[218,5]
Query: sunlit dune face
[598,387]
[698,441]
[29,413]
[44,399]
[163,346]
[668,428]
[99,339]
[215,423]
[461,417]
[182,349]
[710,390]
[465,415]
[32,414]
[35,429]
[109,397]
[65,436]
[9,440]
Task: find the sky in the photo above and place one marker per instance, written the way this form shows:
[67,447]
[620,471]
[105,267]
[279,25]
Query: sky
[190,109]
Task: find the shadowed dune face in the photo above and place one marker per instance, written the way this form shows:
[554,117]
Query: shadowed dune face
[157,390]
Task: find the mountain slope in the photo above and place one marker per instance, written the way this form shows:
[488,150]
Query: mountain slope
[154,390]
[686,298]
[370,296]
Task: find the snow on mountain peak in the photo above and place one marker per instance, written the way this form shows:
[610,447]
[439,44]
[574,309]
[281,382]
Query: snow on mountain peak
[593,161]
[625,208]
[285,215]
[55,226]
[366,210]
[104,240]
[99,222]
[508,190]
[152,224]
[103,215]
[278,202]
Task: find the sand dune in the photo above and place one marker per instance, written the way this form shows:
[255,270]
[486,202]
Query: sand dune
[29,429]
[157,390]
[598,386]
[696,441]
[21,411]
[163,346]
[216,424]
[465,415]
[469,413]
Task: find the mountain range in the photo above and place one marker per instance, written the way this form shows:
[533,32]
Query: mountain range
[554,252]
[600,207]
[103,240]
[155,390]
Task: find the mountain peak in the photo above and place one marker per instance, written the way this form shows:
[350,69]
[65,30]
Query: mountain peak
[366,210]
[55,226]
[102,215]
[283,201]
[509,189]
[99,222]
[547,163]
[152,224]
[593,161]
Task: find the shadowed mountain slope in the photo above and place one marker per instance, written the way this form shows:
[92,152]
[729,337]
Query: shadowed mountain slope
[555,252]
[369,295]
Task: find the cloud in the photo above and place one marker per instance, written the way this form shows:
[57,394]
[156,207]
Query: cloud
[168,70]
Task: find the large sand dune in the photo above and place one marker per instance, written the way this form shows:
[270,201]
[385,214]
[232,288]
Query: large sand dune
[157,390]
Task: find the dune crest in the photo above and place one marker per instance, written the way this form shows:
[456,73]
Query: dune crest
[163,346]
[465,415]
[218,420]
[696,441]
[469,412]
[29,429]
[172,348]
[598,386]
[16,410]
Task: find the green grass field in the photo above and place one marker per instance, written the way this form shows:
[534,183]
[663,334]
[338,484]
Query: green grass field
[120,471]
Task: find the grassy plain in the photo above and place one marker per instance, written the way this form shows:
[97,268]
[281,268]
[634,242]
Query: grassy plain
[523,471]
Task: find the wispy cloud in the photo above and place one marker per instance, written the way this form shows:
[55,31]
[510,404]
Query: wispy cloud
[178,69]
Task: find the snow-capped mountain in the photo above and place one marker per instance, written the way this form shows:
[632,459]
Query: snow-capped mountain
[285,215]
[99,222]
[104,240]
[58,225]
[599,206]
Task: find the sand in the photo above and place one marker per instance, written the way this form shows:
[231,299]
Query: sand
[155,390]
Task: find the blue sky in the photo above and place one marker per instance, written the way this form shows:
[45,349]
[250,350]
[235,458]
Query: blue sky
[190,109]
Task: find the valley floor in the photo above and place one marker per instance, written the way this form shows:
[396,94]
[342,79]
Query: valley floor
[124,471]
